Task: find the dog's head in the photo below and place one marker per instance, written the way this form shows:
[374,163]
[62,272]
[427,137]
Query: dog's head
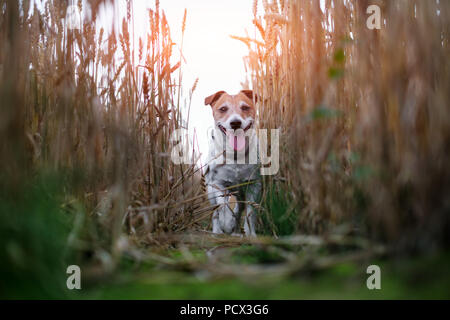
[233,115]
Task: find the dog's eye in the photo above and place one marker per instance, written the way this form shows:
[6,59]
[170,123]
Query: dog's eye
[223,109]
[245,108]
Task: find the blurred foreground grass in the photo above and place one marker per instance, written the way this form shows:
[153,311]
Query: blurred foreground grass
[38,248]
[418,278]
[33,233]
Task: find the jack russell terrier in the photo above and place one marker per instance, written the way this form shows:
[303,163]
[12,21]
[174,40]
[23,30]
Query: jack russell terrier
[233,182]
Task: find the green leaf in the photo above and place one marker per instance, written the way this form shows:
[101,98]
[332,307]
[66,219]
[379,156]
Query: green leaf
[339,56]
[362,173]
[335,73]
[322,112]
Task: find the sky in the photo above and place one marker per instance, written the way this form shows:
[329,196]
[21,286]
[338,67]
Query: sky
[211,54]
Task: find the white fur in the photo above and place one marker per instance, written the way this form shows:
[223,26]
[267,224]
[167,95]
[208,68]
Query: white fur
[220,176]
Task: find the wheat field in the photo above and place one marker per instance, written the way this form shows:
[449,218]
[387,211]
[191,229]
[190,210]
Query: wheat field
[86,178]
[364,113]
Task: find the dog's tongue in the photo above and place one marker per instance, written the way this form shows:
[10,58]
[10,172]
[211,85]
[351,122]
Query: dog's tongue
[237,142]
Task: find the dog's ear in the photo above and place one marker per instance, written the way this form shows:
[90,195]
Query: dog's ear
[213,98]
[249,94]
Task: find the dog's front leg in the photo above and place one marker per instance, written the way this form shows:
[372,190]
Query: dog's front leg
[228,213]
[250,221]
[252,196]
[214,198]
[216,223]
[224,219]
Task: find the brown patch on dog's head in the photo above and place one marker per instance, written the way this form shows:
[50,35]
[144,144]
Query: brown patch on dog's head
[213,98]
[249,94]
[225,105]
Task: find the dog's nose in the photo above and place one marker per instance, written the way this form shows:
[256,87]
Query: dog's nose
[235,124]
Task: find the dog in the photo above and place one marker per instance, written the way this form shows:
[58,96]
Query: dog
[233,183]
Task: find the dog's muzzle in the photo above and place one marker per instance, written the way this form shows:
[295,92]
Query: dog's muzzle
[224,130]
[236,140]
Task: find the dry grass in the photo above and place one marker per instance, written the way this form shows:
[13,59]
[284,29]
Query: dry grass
[365,131]
[93,103]
[364,113]
[364,118]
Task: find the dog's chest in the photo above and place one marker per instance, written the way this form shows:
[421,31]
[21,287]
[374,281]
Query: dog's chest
[226,175]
